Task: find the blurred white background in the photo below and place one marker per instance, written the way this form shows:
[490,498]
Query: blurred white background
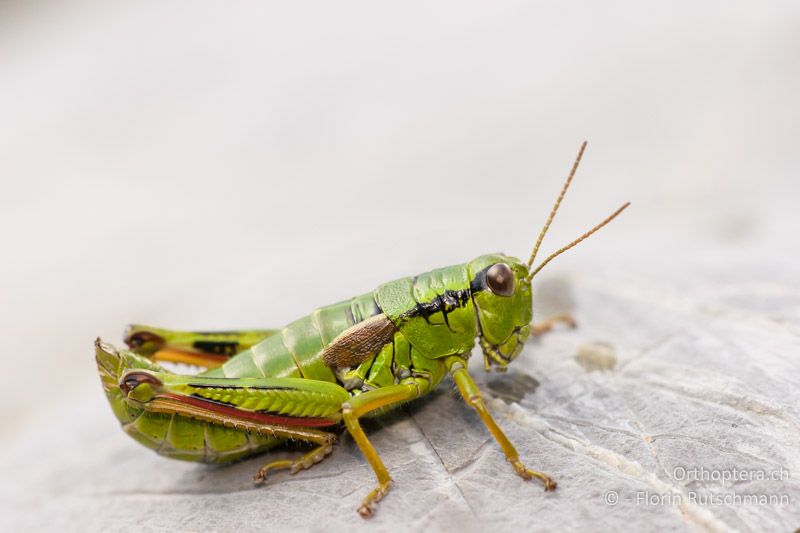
[214,165]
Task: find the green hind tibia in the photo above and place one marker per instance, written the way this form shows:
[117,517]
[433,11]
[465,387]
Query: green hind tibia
[170,434]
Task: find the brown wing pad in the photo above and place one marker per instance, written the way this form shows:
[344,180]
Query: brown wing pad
[359,342]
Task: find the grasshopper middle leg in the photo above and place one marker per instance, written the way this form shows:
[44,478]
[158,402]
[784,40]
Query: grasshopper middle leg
[363,404]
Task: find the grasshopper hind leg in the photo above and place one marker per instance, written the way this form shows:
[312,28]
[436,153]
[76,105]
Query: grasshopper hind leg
[537,330]
[208,349]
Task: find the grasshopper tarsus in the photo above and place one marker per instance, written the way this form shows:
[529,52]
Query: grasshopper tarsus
[528,474]
[368,506]
[303,462]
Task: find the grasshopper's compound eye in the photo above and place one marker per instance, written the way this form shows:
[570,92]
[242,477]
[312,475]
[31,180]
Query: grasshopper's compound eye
[131,381]
[500,279]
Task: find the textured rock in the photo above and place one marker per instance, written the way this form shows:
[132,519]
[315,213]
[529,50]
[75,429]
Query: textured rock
[693,387]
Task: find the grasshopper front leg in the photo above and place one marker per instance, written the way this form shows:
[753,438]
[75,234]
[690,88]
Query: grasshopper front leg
[473,397]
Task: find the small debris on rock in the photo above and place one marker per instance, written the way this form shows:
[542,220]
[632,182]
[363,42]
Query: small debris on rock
[595,356]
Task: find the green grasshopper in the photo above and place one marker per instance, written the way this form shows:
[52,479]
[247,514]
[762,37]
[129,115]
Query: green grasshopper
[353,359]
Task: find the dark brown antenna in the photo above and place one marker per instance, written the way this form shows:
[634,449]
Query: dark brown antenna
[578,240]
[557,204]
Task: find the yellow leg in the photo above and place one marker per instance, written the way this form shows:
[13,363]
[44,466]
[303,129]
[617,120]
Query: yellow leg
[543,327]
[358,407]
[472,395]
[306,461]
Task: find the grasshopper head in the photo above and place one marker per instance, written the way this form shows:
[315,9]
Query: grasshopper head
[501,290]
[502,294]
